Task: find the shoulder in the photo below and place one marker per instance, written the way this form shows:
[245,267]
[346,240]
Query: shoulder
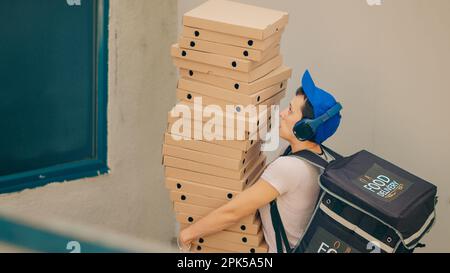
[290,166]
[287,173]
[288,162]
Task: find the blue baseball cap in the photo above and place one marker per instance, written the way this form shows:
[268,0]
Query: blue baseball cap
[321,101]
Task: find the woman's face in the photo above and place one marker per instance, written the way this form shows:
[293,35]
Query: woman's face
[290,116]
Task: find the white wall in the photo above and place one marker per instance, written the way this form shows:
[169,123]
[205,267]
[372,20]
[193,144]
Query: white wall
[390,67]
[132,199]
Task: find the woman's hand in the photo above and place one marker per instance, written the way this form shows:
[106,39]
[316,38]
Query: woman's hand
[184,240]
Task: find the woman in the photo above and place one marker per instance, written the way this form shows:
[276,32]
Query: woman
[290,180]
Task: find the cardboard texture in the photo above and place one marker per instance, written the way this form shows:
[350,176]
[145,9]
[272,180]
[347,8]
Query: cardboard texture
[226,39]
[212,148]
[204,211]
[228,50]
[237,239]
[190,96]
[243,145]
[219,171]
[204,249]
[236,19]
[231,96]
[226,245]
[207,179]
[196,111]
[215,128]
[235,164]
[214,160]
[248,77]
[232,63]
[179,185]
[196,199]
[244,228]
[211,133]
[234,237]
[208,131]
[277,76]
[198,248]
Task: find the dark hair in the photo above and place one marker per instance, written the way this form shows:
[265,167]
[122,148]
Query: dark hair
[307,111]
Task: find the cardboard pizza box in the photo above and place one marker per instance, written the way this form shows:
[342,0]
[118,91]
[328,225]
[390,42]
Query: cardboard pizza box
[196,199]
[210,132]
[200,167]
[278,76]
[228,95]
[232,63]
[189,129]
[204,249]
[197,111]
[206,191]
[256,172]
[197,151]
[248,77]
[243,145]
[207,179]
[170,152]
[233,237]
[245,228]
[221,38]
[213,148]
[230,122]
[229,50]
[236,19]
[210,159]
[204,211]
[216,130]
[190,96]
[226,245]
[203,195]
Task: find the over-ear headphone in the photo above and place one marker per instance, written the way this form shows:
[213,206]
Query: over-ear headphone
[306,129]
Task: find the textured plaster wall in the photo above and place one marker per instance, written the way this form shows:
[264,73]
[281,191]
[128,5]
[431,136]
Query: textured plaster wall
[132,198]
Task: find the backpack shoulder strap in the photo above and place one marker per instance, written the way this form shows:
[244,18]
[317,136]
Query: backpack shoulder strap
[278,228]
[332,153]
[312,158]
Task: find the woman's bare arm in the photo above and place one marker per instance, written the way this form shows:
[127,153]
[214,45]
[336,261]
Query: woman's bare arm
[246,203]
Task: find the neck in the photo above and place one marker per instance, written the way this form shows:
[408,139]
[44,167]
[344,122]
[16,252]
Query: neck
[298,146]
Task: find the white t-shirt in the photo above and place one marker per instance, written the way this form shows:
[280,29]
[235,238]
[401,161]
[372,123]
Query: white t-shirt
[297,183]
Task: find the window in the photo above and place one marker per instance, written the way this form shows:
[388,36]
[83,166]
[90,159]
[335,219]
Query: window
[53,91]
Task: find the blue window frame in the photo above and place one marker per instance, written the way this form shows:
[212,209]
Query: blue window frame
[53,91]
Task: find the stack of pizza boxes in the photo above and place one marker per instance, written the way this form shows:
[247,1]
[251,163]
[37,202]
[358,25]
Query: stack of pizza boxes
[228,55]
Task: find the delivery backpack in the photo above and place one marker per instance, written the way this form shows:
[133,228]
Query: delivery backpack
[365,205]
